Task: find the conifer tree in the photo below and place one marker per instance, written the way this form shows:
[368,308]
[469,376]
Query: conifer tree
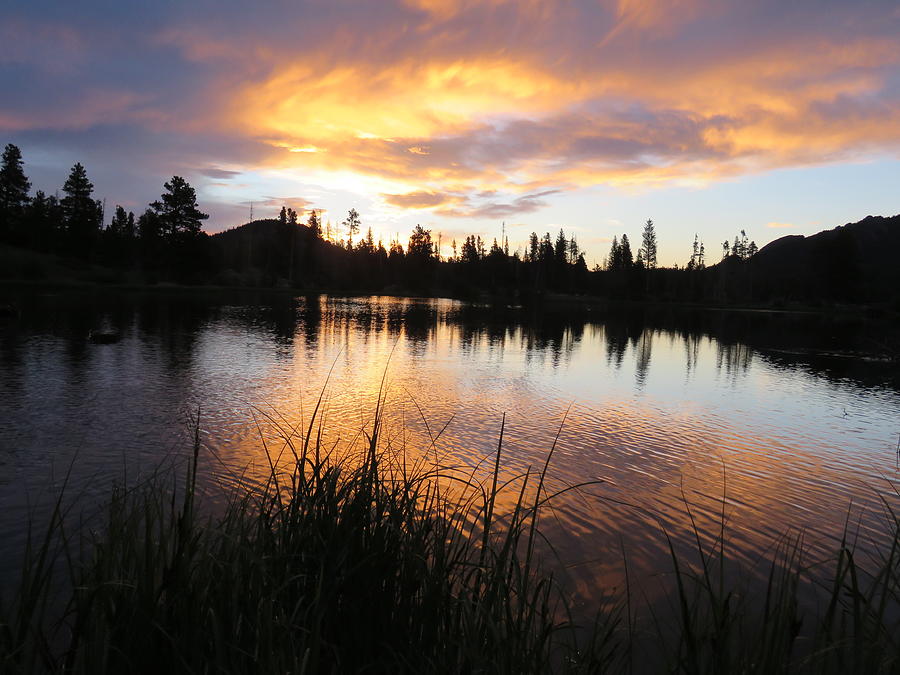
[315,224]
[648,246]
[561,249]
[574,250]
[626,256]
[396,251]
[695,253]
[420,245]
[81,213]
[545,254]
[469,250]
[14,188]
[352,225]
[119,223]
[533,247]
[615,255]
[177,210]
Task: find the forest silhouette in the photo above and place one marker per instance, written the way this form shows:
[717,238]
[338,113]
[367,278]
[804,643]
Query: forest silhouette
[166,243]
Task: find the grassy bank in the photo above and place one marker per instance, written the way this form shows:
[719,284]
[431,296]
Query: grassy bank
[370,562]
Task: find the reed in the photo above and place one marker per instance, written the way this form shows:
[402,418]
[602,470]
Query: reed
[342,563]
[370,561]
[834,615]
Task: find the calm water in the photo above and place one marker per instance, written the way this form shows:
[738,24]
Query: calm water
[667,410]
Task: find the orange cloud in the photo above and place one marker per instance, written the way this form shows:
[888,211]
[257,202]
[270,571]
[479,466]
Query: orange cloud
[412,99]
[514,120]
[434,102]
[644,15]
[420,200]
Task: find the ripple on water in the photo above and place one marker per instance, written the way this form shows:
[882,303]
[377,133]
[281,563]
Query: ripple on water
[666,421]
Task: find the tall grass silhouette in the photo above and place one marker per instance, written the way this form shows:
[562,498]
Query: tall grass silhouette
[364,559]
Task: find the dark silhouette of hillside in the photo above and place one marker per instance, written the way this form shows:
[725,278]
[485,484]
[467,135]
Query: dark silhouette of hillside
[853,264]
[261,253]
[856,261]
[280,253]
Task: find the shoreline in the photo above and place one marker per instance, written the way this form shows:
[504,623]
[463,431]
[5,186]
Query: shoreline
[545,301]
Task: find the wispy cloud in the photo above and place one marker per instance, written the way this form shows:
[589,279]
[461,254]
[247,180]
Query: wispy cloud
[299,204]
[221,174]
[482,205]
[499,209]
[421,199]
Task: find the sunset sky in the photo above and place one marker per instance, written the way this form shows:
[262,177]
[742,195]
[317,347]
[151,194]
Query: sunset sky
[708,117]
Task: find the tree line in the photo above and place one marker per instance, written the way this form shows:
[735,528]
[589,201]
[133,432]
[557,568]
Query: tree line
[166,240]
[166,243]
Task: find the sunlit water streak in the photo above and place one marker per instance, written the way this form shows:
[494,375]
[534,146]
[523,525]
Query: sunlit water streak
[660,417]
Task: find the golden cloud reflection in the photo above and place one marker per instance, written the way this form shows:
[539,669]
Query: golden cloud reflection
[665,420]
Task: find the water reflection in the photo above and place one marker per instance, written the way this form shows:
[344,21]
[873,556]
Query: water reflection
[735,359]
[659,404]
[642,357]
[691,352]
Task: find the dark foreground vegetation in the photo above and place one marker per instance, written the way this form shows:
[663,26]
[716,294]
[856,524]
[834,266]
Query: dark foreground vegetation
[45,237]
[373,562]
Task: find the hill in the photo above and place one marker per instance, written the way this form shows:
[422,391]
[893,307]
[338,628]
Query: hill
[271,253]
[852,263]
[264,252]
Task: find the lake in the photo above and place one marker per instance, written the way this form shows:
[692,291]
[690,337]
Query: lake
[778,420]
